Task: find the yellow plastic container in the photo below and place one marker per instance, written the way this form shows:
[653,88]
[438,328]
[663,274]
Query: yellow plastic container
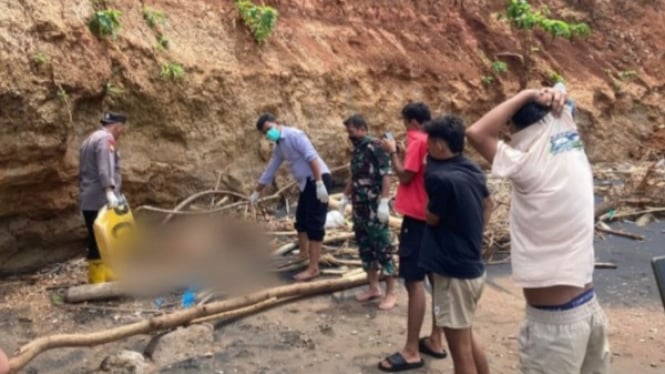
[114,230]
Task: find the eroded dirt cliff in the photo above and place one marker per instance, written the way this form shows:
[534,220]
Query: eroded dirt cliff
[325,60]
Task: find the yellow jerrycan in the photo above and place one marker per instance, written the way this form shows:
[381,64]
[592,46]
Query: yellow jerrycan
[114,230]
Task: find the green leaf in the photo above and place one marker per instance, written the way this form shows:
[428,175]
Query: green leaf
[260,20]
[499,66]
[105,23]
[57,299]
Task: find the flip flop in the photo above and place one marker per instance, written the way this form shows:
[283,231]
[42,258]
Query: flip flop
[398,363]
[425,349]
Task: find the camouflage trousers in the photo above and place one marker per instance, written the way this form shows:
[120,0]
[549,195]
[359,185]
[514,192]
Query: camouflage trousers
[373,238]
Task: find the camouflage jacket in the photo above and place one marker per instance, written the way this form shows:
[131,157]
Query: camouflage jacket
[369,163]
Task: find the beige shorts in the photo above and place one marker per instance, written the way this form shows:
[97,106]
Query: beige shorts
[565,342]
[454,300]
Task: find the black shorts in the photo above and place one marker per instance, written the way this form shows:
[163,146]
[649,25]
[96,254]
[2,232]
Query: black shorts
[410,237]
[311,213]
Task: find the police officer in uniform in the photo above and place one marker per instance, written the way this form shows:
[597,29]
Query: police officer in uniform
[100,182]
[369,192]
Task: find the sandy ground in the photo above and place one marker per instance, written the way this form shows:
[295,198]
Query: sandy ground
[334,333]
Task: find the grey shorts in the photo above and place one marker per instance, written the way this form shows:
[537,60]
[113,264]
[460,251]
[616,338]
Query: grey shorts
[572,341]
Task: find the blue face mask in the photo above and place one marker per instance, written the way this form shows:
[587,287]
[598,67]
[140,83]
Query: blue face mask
[273,134]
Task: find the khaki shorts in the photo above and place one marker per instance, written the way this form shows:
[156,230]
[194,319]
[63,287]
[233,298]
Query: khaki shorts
[565,342]
[454,300]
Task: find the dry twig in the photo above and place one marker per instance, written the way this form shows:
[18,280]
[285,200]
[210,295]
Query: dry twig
[30,350]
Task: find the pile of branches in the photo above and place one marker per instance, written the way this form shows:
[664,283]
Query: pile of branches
[340,255]
[630,192]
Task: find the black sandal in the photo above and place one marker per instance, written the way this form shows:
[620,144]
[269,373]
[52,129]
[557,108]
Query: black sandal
[398,363]
[425,349]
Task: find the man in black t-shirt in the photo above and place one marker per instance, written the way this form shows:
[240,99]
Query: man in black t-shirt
[458,207]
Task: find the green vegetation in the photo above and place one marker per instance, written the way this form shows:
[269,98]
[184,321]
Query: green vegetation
[487,80]
[40,58]
[616,85]
[521,16]
[172,71]
[555,77]
[62,94]
[105,23]
[499,66]
[113,90]
[153,17]
[617,77]
[162,42]
[260,19]
[626,74]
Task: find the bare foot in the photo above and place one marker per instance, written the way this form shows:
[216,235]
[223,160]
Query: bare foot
[368,295]
[306,275]
[388,302]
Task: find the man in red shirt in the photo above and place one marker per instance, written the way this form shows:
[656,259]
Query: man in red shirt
[411,202]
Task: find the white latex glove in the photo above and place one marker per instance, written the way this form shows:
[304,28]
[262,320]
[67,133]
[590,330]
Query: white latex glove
[343,202]
[111,198]
[383,213]
[321,192]
[254,197]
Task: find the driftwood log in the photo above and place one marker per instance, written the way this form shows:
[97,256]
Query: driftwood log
[629,235]
[286,248]
[94,292]
[30,350]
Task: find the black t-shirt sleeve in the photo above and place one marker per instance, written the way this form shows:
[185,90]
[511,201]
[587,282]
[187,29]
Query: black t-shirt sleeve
[439,192]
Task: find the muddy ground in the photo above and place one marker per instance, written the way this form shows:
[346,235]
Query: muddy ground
[333,333]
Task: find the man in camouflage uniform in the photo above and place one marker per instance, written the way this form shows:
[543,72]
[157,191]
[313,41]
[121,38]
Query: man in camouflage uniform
[100,182]
[369,191]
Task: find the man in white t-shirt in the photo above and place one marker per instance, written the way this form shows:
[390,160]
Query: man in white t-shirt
[551,229]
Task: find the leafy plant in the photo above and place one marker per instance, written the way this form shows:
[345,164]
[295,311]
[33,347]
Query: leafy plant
[162,41]
[521,16]
[555,77]
[153,17]
[487,80]
[105,23]
[260,19]
[581,30]
[499,66]
[172,71]
[40,58]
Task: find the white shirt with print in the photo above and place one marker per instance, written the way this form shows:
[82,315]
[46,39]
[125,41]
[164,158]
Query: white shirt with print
[552,211]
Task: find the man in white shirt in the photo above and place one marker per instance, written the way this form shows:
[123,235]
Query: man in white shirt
[551,228]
